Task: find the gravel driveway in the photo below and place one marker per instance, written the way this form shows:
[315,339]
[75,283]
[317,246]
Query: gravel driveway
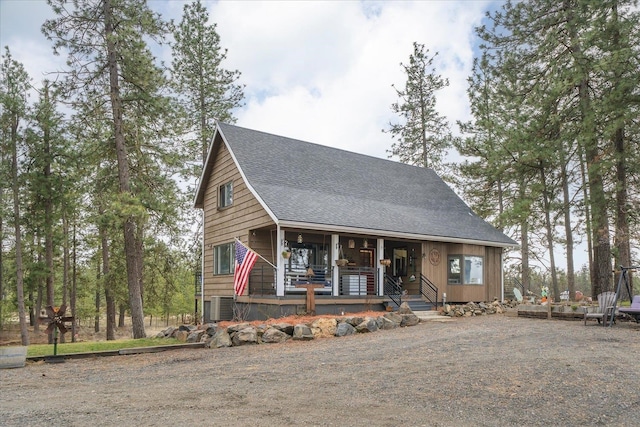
[496,370]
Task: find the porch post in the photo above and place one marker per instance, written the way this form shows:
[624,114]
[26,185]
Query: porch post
[335,254]
[380,253]
[280,262]
[502,275]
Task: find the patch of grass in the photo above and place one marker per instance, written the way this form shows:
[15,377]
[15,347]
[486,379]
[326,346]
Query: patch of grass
[89,346]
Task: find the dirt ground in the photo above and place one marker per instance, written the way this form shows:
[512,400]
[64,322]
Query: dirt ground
[497,370]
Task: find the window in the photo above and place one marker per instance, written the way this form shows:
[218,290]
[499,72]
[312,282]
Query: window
[465,270]
[226,195]
[223,259]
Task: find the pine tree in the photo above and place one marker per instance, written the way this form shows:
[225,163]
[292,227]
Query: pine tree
[14,85]
[46,181]
[110,62]
[423,136]
[571,65]
[207,90]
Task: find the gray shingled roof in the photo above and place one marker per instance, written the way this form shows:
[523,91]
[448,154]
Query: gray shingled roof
[310,183]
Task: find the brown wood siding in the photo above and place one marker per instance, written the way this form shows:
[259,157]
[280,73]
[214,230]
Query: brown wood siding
[493,273]
[437,273]
[466,293]
[223,225]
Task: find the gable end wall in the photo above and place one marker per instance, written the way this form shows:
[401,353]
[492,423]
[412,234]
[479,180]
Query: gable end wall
[223,225]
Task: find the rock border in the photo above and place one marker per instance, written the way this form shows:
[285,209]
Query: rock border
[247,334]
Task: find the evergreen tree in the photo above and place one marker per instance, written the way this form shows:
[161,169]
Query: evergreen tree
[423,136]
[565,66]
[110,61]
[208,91]
[46,181]
[14,85]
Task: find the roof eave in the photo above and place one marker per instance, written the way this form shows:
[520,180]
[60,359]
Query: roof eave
[394,234]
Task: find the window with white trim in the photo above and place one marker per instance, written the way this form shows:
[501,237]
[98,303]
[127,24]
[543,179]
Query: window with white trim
[223,259]
[225,195]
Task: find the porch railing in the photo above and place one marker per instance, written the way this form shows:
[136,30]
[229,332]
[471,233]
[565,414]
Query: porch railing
[357,281]
[428,290]
[353,281]
[393,289]
[262,280]
[321,275]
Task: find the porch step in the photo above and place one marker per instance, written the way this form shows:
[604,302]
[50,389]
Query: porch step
[420,306]
[431,316]
[414,304]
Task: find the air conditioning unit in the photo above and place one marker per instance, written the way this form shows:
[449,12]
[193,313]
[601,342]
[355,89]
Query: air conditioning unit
[221,308]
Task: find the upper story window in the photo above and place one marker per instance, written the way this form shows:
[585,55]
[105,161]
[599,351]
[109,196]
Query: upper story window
[465,270]
[225,195]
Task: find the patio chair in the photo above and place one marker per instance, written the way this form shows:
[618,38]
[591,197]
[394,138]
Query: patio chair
[605,309]
[634,309]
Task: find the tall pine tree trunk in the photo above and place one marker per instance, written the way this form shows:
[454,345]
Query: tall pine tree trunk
[568,230]
[621,237]
[129,228]
[623,248]
[74,285]
[108,287]
[48,210]
[549,232]
[589,137]
[524,249]
[22,313]
[96,319]
[587,212]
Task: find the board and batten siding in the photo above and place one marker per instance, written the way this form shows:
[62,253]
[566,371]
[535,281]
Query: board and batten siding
[492,266]
[224,225]
[493,273]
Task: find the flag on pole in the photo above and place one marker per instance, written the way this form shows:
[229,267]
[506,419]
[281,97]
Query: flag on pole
[245,260]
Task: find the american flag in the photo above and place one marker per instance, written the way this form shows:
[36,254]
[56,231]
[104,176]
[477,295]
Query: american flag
[245,260]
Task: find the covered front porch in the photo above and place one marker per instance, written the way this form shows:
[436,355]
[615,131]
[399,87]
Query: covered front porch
[348,272]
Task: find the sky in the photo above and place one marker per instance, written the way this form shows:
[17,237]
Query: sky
[319,71]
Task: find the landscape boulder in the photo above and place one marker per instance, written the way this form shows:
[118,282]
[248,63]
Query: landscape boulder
[404,309]
[324,327]
[287,328]
[385,323]
[302,332]
[345,329]
[367,325]
[220,338]
[273,335]
[195,336]
[248,335]
[409,319]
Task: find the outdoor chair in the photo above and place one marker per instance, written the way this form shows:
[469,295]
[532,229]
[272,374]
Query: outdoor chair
[633,310]
[605,309]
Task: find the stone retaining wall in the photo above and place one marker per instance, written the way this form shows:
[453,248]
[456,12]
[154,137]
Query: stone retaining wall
[247,334]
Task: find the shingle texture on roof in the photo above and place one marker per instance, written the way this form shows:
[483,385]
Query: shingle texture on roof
[310,183]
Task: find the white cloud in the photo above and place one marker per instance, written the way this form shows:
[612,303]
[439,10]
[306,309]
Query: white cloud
[322,71]
[316,70]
